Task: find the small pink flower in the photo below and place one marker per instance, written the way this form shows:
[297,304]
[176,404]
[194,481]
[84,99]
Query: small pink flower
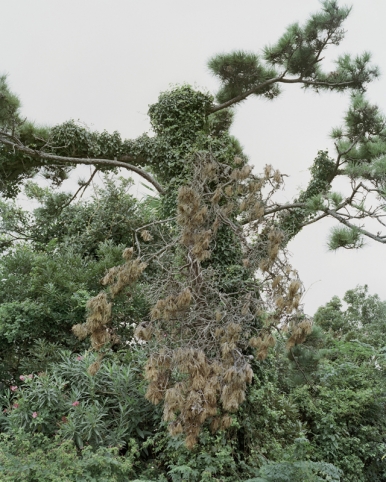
[75,404]
[13,388]
[15,405]
[22,378]
[79,358]
[5,410]
[30,376]
[34,414]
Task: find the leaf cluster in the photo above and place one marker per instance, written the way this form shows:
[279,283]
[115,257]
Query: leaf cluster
[102,410]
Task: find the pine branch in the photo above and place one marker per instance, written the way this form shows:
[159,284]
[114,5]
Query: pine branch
[275,80]
[4,139]
[283,207]
[244,95]
[341,219]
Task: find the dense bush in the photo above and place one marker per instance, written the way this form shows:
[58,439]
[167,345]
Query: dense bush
[37,458]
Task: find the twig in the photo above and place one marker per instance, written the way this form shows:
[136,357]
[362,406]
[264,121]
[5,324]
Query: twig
[84,186]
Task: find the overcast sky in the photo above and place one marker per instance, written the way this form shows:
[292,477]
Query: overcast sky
[103,62]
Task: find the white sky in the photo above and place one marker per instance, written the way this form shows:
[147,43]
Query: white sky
[103,62]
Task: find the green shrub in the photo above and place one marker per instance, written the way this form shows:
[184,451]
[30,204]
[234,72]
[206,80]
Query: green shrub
[36,458]
[102,410]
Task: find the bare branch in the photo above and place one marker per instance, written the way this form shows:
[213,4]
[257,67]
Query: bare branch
[156,222]
[83,186]
[284,207]
[314,220]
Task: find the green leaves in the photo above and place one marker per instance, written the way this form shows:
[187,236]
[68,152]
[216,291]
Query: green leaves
[322,174]
[181,111]
[106,409]
[299,470]
[344,408]
[76,140]
[328,390]
[293,53]
[36,457]
[53,267]
[296,57]
[363,119]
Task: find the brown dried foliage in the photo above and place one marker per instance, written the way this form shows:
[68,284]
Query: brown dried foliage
[200,337]
[97,324]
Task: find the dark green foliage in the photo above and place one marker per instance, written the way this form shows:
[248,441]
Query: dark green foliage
[268,424]
[305,358]
[299,51]
[361,147]
[220,122]
[14,171]
[178,117]
[344,414]
[306,471]
[36,458]
[365,125]
[75,140]
[110,216]
[9,106]
[341,398]
[14,166]
[183,129]
[214,457]
[329,317]
[41,297]
[180,121]
[239,72]
[180,113]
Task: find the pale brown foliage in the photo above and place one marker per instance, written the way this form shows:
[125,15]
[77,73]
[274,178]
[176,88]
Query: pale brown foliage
[97,324]
[201,337]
